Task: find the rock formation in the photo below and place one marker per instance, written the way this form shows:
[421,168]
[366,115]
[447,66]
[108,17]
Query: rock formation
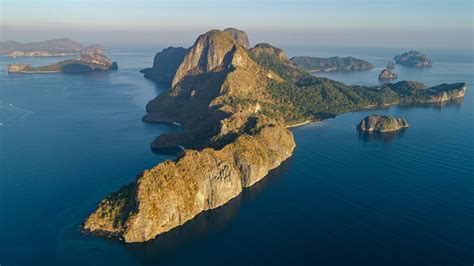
[214,90]
[381,124]
[165,65]
[239,36]
[84,63]
[234,105]
[390,65]
[413,59]
[316,64]
[387,75]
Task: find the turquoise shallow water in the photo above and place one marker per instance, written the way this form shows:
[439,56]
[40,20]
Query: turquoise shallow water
[66,141]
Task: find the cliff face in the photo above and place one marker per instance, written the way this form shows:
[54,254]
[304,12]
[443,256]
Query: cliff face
[239,36]
[378,123]
[165,65]
[174,192]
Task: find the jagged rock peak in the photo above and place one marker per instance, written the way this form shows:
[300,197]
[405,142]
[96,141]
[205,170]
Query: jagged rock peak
[239,36]
[208,54]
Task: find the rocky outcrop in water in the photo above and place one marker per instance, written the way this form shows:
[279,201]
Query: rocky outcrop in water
[215,96]
[84,63]
[387,75]
[390,65]
[332,64]
[413,59]
[381,124]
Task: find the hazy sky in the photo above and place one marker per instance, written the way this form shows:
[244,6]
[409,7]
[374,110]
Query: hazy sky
[377,23]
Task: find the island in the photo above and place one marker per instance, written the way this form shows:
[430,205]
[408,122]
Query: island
[84,63]
[55,47]
[387,75]
[382,124]
[413,59]
[390,65]
[234,105]
[317,64]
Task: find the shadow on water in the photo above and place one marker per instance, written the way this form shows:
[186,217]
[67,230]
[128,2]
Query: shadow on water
[377,136]
[166,246]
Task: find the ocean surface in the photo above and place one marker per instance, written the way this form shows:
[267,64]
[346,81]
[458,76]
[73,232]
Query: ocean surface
[66,141]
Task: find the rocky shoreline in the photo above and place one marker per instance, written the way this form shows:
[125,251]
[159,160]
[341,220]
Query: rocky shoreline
[382,124]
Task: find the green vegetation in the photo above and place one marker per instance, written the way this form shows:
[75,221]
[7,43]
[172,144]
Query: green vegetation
[316,64]
[303,96]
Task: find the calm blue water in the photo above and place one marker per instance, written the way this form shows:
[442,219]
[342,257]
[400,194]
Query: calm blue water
[342,199]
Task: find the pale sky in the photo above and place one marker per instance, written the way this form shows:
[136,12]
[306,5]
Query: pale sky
[377,23]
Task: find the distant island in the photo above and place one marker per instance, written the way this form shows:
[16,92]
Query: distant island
[55,47]
[317,64]
[413,59]
[390,65]
[387,75]
[381,124]
[235,106]
[84,63]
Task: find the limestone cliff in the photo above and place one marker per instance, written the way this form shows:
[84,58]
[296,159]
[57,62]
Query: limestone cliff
[174,192]
[239,36]
[165,65]
[380,123]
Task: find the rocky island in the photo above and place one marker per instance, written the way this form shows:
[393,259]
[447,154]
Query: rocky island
[234,105]
[84,63]
[390,65]
[381,124]
[317,64]
[55,47]
[387,75]
[413,59]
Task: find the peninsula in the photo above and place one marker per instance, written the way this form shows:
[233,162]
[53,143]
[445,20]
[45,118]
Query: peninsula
[332,64]
[234,105]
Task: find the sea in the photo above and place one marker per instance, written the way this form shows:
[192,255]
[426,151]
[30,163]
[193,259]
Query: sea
[343,198]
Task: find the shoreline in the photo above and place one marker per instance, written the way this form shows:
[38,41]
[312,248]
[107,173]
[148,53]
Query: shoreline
[299,124]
